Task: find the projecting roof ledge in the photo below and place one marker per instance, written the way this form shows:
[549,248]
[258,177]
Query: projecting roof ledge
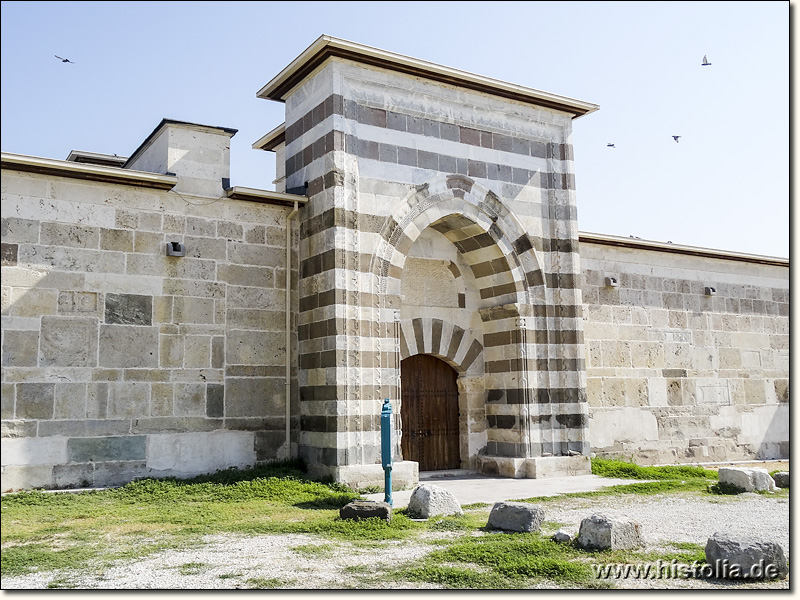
[271,140]
[326,47]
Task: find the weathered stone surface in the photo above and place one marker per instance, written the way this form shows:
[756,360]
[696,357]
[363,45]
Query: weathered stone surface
[65,234]
[742,557]
[365,509]
[106,449]
[113,474]
[84,428]
[77,303]
[7,400]
[119,240]
[19,230]
[8,254]
[268,443]
[603,532]
[193,310]
[197,351]
[252,397]
[562,535]
[215,400]
[516,516]
[73,476]
[70,401]
[190,400]
[128,400]
[129,309]
[747,479]
[35,400]
[17,429]
[19,348]
[128,346]
[781,479]
[430,500]
[31,302]
[68,342]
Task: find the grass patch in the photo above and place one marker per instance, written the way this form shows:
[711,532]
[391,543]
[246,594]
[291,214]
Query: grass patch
[464,522]
[647,488]
[454,577]
[686,552]
[264,583]
[314,549]
[623,470]
[450,524]
[192,568]
[502,561]
[359,570]
[62,583]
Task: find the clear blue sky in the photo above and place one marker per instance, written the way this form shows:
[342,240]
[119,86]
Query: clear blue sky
[725,185]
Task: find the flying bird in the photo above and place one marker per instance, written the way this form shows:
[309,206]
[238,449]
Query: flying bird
[611,145]
[705,61]
[675,137]
[63,60]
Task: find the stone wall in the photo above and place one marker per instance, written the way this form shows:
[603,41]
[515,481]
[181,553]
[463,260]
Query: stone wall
[676,374]
[119,361]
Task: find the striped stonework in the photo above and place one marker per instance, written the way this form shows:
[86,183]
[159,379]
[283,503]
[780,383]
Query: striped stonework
[492,201]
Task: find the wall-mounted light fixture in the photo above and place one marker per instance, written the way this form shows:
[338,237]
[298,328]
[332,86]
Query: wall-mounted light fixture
[710,291]
[176,249]
[612,282]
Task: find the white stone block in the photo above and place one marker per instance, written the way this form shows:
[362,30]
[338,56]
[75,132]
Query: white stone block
[194,453]
[747,480]
[621,424]
[34,451]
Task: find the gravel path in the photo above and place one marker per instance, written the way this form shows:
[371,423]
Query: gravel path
[291,561]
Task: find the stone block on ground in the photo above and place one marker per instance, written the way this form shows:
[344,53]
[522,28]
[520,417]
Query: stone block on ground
[366,509]
[747,479]
[745,557]
[603,532]
[562,535]
[429,500]
[516,516]
[781,479]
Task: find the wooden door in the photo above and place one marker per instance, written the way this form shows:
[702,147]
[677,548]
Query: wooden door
[429,413]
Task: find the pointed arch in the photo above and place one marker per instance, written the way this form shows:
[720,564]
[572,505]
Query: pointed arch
[490,237]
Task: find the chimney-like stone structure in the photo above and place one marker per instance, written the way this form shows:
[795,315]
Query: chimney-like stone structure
[199,155]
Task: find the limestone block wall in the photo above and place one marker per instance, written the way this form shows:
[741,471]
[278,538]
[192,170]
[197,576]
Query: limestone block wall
[675,374]
[121,362]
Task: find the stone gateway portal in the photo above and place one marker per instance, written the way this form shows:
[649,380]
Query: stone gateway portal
[429,413]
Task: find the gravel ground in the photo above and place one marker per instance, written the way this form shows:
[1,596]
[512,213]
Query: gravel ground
[289,562]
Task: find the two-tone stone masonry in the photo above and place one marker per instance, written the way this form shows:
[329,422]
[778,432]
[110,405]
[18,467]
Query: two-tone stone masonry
[384,157]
